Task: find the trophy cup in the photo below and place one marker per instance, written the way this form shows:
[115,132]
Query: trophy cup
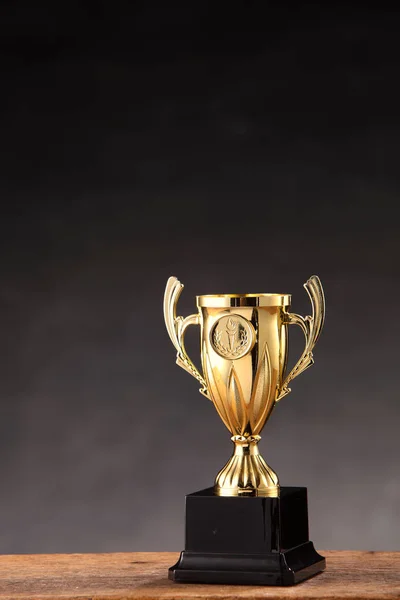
[246,529]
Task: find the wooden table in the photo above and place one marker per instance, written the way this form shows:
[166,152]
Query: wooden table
[143,575]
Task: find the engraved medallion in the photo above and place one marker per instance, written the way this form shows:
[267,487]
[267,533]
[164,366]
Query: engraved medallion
[232,336]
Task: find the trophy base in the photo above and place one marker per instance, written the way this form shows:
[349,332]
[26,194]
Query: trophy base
[247,540]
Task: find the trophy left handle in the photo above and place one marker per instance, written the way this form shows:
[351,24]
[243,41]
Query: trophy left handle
[311,327]
[177,326]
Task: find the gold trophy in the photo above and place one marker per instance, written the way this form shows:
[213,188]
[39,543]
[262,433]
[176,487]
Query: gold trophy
[244,349]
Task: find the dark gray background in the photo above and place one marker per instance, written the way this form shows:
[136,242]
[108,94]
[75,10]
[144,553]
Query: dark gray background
[241,148]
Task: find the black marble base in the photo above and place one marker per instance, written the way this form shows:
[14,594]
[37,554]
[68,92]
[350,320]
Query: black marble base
[245,540]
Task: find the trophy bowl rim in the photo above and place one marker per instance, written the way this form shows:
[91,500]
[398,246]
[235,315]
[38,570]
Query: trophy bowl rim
[232,300]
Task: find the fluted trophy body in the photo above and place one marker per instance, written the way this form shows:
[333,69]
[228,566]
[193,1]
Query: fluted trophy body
[244,344]
[244,351]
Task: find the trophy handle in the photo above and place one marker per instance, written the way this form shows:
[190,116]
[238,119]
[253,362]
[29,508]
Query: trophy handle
[176,327]
[311,326]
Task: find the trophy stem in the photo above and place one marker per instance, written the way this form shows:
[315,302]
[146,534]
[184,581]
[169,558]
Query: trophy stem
[246,473]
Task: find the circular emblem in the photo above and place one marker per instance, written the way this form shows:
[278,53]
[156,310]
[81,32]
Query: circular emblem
[232,336]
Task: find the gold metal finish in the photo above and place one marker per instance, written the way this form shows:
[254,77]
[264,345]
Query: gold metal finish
[230,300]
[176,327]
[244,354]
[311,326]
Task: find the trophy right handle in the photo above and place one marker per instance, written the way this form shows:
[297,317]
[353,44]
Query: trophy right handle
[177,326]
[311,327]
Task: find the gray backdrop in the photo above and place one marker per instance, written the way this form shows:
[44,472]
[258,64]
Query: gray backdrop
[240,154]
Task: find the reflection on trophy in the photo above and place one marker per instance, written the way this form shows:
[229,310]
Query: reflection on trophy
[244,347]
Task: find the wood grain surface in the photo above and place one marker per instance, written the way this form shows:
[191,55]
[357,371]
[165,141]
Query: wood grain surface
[143,575]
